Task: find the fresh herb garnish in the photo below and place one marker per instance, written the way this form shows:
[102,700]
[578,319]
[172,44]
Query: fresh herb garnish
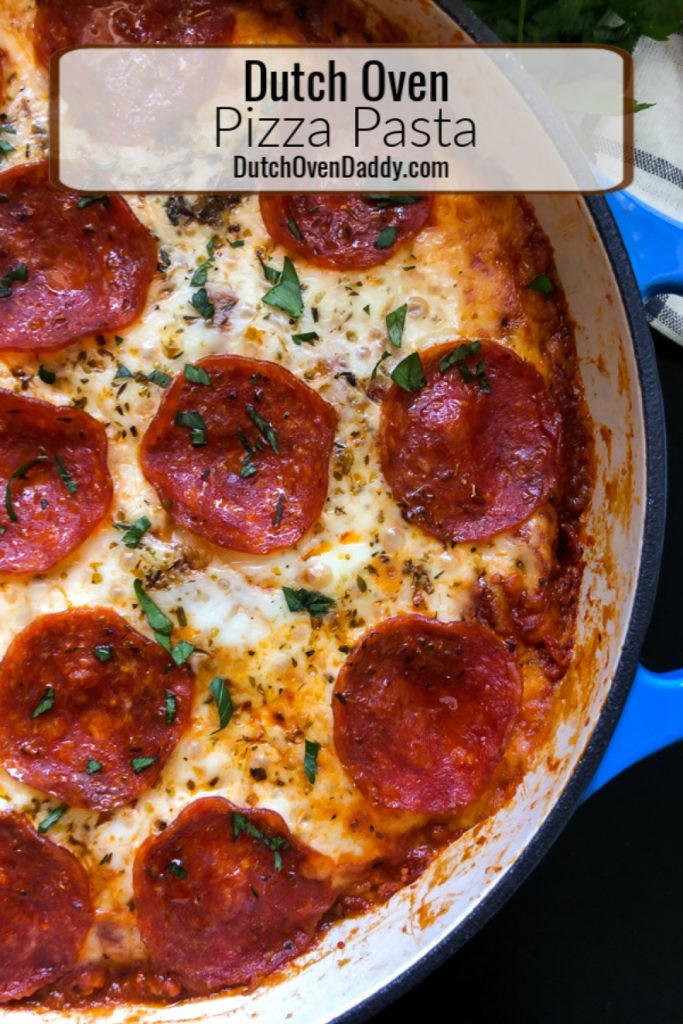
[309,337]
[384,199]
[199,276]
[385,355]
[457,358]
[52,818]
[46,703]
[237,244]
[366,309]
[287,293]
[200,301]
[386,238]
[195,423]
[171,705]
[122,372]
[19,473]
[197,375]
[135,532]
[310,601]
[271,275]
[160,378]
[240,823]
[101,197]
[176,869]
[294,228]
[278,511]
[9,128]
[69,482]
[138,764]
[409,373]
[162,627]
[18,273]
[265,428]
[93,766]
[395,322]
[47,376]
[543,284]
[6,147]
[223,702]
[311,760]
[104,652]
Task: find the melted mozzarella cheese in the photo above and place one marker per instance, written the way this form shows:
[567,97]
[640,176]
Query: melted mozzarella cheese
[279,668]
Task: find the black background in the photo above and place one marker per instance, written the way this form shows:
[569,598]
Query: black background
[595,934]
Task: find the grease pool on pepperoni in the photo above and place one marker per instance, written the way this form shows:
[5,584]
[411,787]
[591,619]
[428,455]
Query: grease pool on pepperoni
[85,712]
[423,711]
[256,478]
[45,909]
[54,481]
[219,905]
[71,271]
[343,230]
[107,22]
[465,463]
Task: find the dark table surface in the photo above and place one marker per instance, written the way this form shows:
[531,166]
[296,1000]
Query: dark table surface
[595,934]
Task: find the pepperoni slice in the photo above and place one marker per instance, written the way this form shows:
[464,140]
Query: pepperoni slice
[72,271]
[54,480]
[343,230]
[254,477]
[423,711]
[226,896]
[85,711]
[463,463]
[45,909]
[107,22]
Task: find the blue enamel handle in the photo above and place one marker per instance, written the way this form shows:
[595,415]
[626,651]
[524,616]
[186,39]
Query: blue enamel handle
[653,715]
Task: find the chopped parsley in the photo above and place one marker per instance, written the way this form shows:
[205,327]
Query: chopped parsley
[543,284]
[385,355]
[310,601]
[201,302]
[135,532]
[293,227]
[6,147]
[19,473]
[104,652]
[240,823]
[386,238]
[195,424]
[67,479]
[93,766]
[138,764]
[409,373]
[197,375]
[237,244]
[278,511]
[395,322]
[47,376]
[160,378]
[264,427]
[199,276]
[286,294]
[457,358]
[46,703]
[18,273]
[171,706]
[52,819]
[101,197]
[162,627]
[176,869]
[122,372]
[366,309]
[309,337]
[311,760]
[223,701]
[271,275]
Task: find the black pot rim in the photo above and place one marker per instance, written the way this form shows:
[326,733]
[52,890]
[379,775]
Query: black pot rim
[646,587]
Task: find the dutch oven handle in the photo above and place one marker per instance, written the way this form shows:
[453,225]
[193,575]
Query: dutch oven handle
[653,715]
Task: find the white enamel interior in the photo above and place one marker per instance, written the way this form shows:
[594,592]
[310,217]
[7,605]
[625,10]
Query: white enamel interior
[379,947]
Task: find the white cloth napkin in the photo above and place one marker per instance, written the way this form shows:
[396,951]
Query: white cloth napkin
[658,156]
